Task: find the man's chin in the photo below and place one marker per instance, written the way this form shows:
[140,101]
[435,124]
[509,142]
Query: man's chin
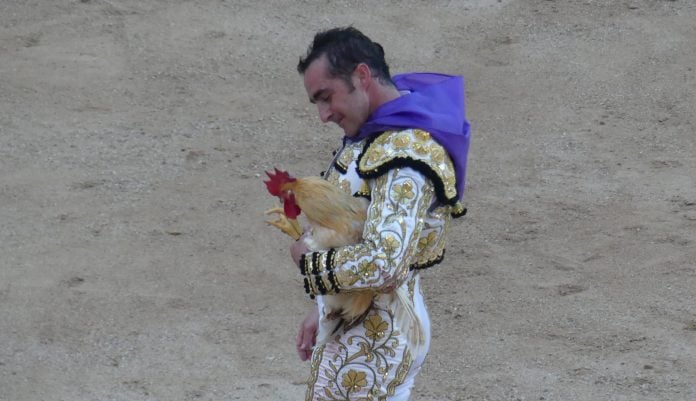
[349,132]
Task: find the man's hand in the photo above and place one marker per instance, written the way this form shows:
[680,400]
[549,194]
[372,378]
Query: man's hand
[307,336]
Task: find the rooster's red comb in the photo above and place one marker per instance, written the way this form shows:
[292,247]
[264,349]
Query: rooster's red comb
[277,179]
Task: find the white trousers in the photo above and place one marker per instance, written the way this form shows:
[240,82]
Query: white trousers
[372,359]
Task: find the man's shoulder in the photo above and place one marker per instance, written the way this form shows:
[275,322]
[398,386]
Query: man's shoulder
[413,148]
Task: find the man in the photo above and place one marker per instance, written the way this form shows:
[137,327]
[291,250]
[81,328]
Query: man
[405,146]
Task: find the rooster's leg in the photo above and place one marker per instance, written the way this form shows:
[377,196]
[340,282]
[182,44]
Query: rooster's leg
[289,226]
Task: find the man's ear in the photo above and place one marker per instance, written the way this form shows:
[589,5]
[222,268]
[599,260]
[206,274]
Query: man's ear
[363,74]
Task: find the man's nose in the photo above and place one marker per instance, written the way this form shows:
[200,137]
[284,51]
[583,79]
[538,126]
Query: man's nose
[324,113]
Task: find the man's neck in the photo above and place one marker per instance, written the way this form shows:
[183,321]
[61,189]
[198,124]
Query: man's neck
[383,94]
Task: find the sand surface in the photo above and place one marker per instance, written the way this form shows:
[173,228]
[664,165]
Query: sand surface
[133,139]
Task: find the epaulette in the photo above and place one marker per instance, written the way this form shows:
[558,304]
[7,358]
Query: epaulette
[416,149]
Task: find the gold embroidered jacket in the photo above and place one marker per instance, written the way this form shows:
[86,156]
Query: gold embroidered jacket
[410,181]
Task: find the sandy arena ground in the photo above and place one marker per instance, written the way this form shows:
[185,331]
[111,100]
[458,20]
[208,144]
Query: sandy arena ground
[133,139]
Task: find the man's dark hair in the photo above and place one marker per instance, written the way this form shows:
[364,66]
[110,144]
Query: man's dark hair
[345,48]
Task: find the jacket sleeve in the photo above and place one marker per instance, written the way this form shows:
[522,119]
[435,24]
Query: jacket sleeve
[400,200]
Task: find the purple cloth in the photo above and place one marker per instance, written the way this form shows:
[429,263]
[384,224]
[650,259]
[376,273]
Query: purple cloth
[435,103]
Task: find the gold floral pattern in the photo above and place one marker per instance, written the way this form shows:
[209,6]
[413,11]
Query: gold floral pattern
[403,192]
[399,209]
[401,141]
[347,278]
[415,145]
[438,154]
[421,135]
[391,244]
[421,149]
[353,380]
[427,241]
[366,268]
[375,327]
[366,365]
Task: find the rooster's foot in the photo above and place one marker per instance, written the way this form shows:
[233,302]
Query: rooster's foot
[289,226]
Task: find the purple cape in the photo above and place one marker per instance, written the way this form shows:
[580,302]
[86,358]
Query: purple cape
[434,103]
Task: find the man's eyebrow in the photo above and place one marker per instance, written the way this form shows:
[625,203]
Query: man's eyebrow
[317,95]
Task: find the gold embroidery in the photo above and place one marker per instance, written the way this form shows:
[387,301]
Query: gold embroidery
[345,186]
[366,269]
[383,139]
[363,363]
[421,149]
[458,210]
[345,157]
[427,241]
[375,327]
[375,155]
[437,154]
[410,145]
[391,244]
[346,278]
[391,227]
[317,356]
[401,372]
[353,381]
[401,141]
[421,135]
[403,191]
[332,176]
[364,189]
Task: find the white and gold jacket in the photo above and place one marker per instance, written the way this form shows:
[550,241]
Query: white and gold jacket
[410,182]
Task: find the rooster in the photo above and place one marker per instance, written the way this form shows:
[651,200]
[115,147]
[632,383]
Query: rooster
[335,218]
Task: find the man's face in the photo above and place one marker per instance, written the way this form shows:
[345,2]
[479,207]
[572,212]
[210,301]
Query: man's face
[335,100]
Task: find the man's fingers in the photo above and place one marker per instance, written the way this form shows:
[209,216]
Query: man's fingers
[305,352]
[307,336]
[300,338]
